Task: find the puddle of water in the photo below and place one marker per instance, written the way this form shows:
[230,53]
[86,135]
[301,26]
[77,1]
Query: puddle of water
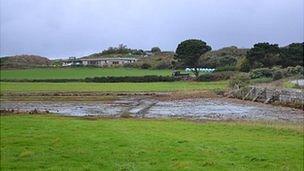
[204,108]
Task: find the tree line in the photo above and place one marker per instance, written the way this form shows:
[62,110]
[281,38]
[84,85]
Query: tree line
[124,50]
[195,53]
[261,55]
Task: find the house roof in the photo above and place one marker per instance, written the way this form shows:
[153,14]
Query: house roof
[107,59]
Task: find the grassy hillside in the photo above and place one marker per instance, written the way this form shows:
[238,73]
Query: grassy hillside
[156,61]
[232,51]
[224,59]
[111,87]
[24,61]
[60,143]
[53,73]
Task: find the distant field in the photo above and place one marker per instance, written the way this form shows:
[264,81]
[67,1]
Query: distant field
[109,87]
[34,142]
[56,73]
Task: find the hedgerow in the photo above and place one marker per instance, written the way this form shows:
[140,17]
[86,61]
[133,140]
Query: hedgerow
[110,79]
[216,76]
[147,78]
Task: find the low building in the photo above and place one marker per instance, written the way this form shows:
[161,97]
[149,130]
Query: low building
[72,61]
[100,62]
[107,61]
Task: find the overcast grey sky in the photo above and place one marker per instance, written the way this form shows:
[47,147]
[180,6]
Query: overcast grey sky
[62,28]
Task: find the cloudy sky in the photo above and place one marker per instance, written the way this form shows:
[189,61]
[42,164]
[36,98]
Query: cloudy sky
[62,28]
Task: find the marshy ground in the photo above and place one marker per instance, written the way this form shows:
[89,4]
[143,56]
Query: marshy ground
[151,106]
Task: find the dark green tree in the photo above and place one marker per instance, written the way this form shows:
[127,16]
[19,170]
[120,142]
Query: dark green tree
[189,52]
[292,55]
[263,55]
[155,50]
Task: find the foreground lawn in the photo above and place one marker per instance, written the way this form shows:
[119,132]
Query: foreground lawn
[31,142]
[110,87]
[70,73]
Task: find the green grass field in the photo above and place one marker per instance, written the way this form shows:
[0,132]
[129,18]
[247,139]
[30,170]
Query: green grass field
[111,87]
[34,142]
[73,73]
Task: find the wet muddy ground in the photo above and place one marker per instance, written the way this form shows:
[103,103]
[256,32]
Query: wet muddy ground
[197,108]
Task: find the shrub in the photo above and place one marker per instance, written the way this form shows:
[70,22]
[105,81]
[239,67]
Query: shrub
[260,72]
[226,68]
[163,65]
[276,72]
[128,65]
[277,75]
[243,65]
[297,70]
[219,92]
[145,66]
[239,81]
[261,80]
[216,76]
[206,77]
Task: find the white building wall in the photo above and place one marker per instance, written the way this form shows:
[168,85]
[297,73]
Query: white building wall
[109,62]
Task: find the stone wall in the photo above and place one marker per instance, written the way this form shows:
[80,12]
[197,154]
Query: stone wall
[291,96]
[269,95]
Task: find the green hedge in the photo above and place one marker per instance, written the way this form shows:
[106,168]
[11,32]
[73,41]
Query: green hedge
[148,78]
[216,76]
[43,80]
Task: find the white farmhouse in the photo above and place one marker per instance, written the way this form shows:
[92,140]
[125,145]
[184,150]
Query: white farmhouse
[100,62]
[107,61]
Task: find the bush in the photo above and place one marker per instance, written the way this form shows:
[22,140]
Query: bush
[219,92]
[239,81]
[129,65]
[217,76]
[261,80]
[289,71]
[145,66]
[206,77]
[226,68]
[243,65]
[148,78]
[260,72]
[277,75]
[297,70]
[163,65]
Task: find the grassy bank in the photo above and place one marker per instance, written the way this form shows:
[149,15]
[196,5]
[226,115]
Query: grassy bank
[111,87]
[59,143]
[75,73]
